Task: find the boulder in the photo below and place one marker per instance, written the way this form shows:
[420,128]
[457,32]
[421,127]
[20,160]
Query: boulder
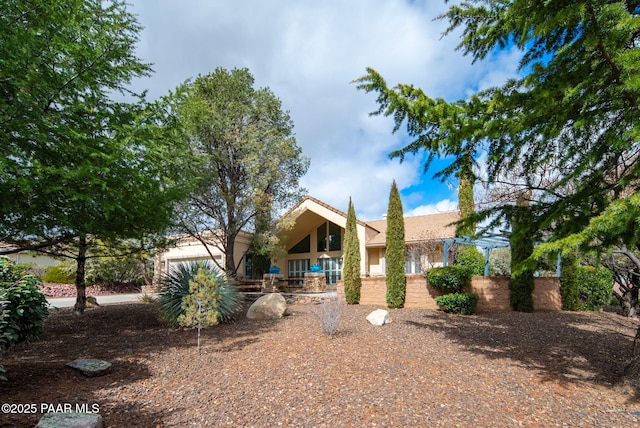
[378,317]
[70,420]
[90,367]
[92,302]
[271,306]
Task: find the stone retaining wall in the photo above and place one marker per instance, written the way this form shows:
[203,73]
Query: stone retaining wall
[493,293]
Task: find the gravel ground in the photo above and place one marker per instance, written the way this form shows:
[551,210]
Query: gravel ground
[425,368]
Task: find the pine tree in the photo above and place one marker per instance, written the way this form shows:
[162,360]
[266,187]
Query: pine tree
[351,270]
[202,302]
[395,251]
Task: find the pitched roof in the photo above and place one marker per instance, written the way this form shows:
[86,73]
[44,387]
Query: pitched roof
[322,204]
[418,228]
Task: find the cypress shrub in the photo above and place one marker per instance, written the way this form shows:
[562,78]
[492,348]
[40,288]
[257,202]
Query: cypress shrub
[395,251]
[521,283]
[351,269]
[569,285]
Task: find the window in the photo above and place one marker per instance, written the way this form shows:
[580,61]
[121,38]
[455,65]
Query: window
[413,262]
[332,268]
[248,265]
[335,237]
[297,268]
[302,247]
[322,238]
[331,234]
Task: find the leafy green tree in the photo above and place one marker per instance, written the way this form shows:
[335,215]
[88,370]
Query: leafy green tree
[395,253]
[351,267]
[246,159]
[78,167]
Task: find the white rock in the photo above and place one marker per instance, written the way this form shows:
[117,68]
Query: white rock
[70,420]
[268,307]
[378,317]
[90,367]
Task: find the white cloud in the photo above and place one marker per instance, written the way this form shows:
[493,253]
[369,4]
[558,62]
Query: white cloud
[446,205]
[308,53]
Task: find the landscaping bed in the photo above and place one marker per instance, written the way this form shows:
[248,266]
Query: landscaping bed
[425,368]
[69,290]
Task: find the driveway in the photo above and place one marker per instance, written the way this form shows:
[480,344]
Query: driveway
[68,302]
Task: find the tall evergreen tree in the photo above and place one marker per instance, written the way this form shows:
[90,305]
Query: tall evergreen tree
[468,255]
[521,283]
[574,107]
[351,269]
[395,251]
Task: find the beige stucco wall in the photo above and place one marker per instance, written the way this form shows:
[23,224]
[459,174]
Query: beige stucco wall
[191,250]
[375,261]
[308,217]
[34,259]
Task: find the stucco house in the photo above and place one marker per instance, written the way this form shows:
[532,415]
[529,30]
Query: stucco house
[317,239]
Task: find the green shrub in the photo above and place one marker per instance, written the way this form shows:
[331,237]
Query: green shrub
[500,262]
[114,270]
[450,279]
[471,257]
[60,274]
[174,288]
[596,285]
[23,307]
[458,303]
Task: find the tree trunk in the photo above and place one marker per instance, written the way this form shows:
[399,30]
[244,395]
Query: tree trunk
[630,302]
[145,272]
[81,296]
[229,260]
[632,371]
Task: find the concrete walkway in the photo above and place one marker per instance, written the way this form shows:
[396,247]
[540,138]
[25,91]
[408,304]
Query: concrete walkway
[68,302]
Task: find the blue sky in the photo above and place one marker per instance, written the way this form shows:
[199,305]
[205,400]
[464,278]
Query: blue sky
[307,53]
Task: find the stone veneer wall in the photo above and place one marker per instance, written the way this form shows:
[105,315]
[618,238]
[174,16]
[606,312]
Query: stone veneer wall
[493,293]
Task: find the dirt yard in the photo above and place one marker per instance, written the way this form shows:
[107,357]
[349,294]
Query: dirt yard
[425,368]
